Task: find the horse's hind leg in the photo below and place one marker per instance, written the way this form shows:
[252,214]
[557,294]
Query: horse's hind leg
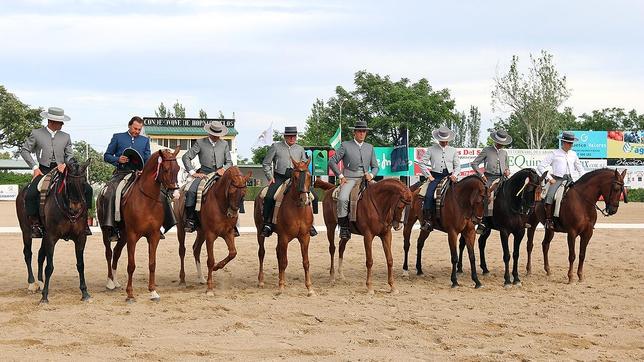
[261,252]
[518,237]
[419,251]
[108,257]
[196,252]
[118,248]
[545,246]
[571,255]
[26,251]
[330,234]
[304,246]
[79,247]
[585,239]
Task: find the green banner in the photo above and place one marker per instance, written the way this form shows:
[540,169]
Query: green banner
[320,163]
[383,156]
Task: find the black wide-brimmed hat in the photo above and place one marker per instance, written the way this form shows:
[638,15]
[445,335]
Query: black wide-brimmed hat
[134,158]
[290,131]
[501,137]
[360,126]
[568,137]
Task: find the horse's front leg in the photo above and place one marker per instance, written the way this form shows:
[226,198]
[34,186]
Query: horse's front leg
[49,269]
[131,240]
[153,243]
[529,246]
[304,240]
[181,236]
[420,243]
[118,249]
[451,239]
[26,251]
[108,258]
[196,252]
[42,255]
[506,258]
[330,234]
[518,237]
[386,245]
[282,260]
[470,239]
[261,252]
[571,255]
[210,242]
[343,246]
[368,240]
[411,220]
[79,246]
[585,239]
[545,246]
[229,238]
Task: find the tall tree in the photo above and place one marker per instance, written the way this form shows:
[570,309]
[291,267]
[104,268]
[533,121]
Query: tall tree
[221,115]
[474,127]
[203,114]
[99,172]
[179,110]
[533,101]
[163,112]
[611,119]
[17,120]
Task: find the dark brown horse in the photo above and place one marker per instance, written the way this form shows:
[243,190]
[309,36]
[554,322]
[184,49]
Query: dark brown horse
[218,215]
[64,215]
[515,198]
[142,215]
[380,208]
[462,209]
[295,217]
[578,214]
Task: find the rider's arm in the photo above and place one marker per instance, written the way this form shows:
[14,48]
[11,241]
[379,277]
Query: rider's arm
[477,161]
[229,160]
[545,163]
[188,156]
[267,163]
[426,163]
[333,161]
[374,163]
[27,148]
[109,155]
[456,163]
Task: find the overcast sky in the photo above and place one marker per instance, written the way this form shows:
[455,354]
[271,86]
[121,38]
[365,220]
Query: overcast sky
[104,61]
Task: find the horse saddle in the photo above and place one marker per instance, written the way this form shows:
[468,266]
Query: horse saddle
[559,195]
[494,189]
[279,197]
[356,195]
[45,185]
[204,185]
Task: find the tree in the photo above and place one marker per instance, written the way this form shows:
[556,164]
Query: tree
[17,120]
[179,110]
[5,156]
[243,160]
[99,172]
[163,112]
[221,115]
[203,114]
[533,100]
[466,128]
[610,119]
[387,107]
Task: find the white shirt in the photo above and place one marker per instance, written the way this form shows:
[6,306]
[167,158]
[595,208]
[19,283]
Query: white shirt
[562,163]
[52,133]
[358,143]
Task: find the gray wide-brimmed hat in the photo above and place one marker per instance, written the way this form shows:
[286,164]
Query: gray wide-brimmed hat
[55,114]
[360,126]
[443,134]
[501,137]
[568,137]
[216,128]
[290,131]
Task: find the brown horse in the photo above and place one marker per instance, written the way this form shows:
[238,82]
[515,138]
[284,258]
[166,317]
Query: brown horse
[462,209]
[218,215]
[64,216]
[380,208]
[577,215]
[142,213]
[295,217]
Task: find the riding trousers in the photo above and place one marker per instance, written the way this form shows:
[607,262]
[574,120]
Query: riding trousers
[429,202]
[345,194]
[191,193]
[269,200]
[491,177]
[552,189]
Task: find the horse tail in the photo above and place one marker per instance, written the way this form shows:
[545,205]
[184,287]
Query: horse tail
[321,184]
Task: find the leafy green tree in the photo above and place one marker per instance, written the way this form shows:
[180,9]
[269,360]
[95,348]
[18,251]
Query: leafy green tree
[179,110]
[533,101]
[387,106]
[221,115]
[5,156]
[99,172]
[163,112]
[611,119]
[203,114]
[17,120]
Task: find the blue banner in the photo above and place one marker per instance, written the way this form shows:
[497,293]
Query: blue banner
[591,144]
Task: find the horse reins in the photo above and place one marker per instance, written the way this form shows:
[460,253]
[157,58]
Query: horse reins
[73,217]
[156,176]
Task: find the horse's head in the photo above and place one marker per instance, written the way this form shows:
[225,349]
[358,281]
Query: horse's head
[75,178]
[168,169]
[301,179]
[476,191]
[611,192]
[405,200]
[235,189]
[529,189]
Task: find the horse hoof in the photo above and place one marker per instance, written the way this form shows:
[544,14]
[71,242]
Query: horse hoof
[455,285]
[86,299]
[517,283]
[110,284]
[341,276]
[419,273]
[371,292]
[154,296]
[33,287]
[394,291]
[507,285]
[44,301]
[41,285]
[260,285]
[130,300]
[201,280]
[405,273]
[182,284]
[485,272]
[311,293]
[210,293]
[459,271]
[478,286]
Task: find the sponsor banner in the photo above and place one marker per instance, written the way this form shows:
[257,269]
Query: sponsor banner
[8,192]
[625,144]
[590,165]
[625,162]
[591,144]
[320,162]
[383,156]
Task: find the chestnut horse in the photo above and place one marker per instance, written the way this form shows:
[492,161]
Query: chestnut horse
[380,208]
[462,208]
[515,198]
[142,214]
[218,215]
[294,220]
[577,215]
[64,215]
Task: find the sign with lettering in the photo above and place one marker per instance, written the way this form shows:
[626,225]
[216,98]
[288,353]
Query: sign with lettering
[591,144]
[185,122]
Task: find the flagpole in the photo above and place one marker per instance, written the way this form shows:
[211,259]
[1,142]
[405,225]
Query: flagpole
[341,102]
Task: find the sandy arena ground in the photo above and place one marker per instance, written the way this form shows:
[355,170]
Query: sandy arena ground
[545,319]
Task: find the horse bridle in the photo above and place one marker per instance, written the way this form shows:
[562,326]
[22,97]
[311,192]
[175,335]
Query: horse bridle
[73,217]
[618,183]
[156,177]
[520,193]
[475,219]
[232,211]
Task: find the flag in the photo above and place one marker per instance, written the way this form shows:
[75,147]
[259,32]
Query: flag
[400,155]
[336,139]
[265,138]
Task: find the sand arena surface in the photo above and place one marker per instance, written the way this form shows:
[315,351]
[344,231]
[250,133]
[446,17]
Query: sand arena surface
[602,318]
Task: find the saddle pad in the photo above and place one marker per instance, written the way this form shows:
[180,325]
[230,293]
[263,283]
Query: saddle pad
[441,188]
[353,201]
[204,185]
[121,189]
[494,188]
[423,189]
[558,196]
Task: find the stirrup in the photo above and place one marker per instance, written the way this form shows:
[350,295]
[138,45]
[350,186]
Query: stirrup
[267,230]
[36,231]
[480,229]
[345,232]
[189,226]
[313,232]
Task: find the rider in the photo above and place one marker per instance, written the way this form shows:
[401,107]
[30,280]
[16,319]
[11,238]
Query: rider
[278,168]
[128,151]
[439,161]
[214,156]
[359,159]
[495,160]
[563,161]
[53,148]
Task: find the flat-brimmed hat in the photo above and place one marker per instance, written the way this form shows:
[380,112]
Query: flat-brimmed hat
[55,114]
[443,134]
[134,158]
[290,131]
[501,137]
[216,128]
[568,137]
[360,126]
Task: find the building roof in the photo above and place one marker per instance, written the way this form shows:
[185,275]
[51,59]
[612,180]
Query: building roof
[181,131]
[18,164]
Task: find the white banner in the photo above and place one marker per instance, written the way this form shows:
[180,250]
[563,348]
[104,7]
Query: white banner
[8,192]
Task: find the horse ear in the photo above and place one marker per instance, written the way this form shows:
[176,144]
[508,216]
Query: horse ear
[623,174]
[248,175]
[543,177]
[294,162]
[308,162]
[176,151]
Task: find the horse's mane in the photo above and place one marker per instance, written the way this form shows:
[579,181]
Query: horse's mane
[468,178]
[587,176]
[151,164]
